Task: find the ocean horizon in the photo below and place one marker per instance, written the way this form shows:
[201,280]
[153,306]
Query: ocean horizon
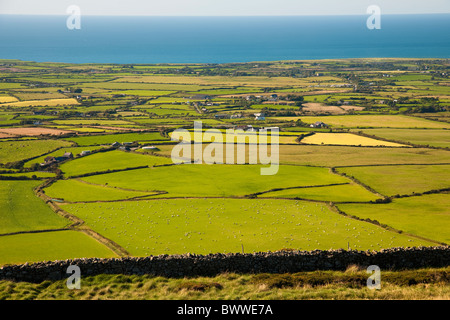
[153,40]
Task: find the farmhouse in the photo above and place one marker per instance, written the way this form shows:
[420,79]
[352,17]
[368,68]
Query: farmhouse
[150,148]
[318,124]
[260,116]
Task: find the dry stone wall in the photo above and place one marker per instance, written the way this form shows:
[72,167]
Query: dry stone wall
[213,264]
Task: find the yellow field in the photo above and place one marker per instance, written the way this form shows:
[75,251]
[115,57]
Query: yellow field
[257,81]
[347,139]
[5,99]
[48,103]
[370,121]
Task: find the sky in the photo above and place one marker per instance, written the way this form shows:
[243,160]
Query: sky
[222,7]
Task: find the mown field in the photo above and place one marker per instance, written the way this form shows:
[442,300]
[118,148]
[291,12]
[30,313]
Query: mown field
[11,151]
[50,246]
[435,138]
[215,225]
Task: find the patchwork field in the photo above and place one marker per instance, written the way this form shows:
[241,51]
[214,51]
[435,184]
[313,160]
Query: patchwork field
[346,139]
[94,140]
[426,216]
[49,246]
[18,150]
[112,160]
[201,180]
[32,131]
[214,225]
[436,138]
[375,177]
[337,193]
[22,211]
[407,179]
[75,190]
[372,121]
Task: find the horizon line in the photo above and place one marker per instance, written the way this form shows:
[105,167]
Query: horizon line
[206,16]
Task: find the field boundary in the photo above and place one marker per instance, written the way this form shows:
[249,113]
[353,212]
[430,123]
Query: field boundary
[189,265]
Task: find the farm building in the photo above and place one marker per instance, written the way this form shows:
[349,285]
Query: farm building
[84,153]
[260,116]
[150,148]
[318,124]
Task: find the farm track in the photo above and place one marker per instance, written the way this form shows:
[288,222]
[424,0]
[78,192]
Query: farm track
[334,208]
[79,224]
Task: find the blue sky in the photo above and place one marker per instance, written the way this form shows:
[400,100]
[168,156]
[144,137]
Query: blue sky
[222,7]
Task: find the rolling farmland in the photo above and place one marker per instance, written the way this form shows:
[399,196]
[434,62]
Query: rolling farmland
[373,176]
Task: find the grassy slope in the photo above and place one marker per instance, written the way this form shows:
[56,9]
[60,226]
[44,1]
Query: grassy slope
[392,180]
[341,193]
[18,150]
[437,138]
[216,180]
[20,210]
[73,190]
[111,160]
[350,284]
[427,216]
[49,246]
[215,225]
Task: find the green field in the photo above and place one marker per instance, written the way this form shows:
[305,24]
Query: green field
[388,141]
[191,180]
[59,153]
[393,180]
[426,216]
[330,156]
[436,138]
[339,193]
[21,210]
[74,190]
[217,225]
[94,140]
[11,151]
[112,160]
[49,246]
[368,121]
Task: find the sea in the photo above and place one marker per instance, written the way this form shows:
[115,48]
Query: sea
[153,40]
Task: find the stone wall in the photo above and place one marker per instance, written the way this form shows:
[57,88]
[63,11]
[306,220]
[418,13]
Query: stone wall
[213,264]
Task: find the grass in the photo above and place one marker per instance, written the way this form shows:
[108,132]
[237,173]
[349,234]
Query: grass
[21,210]
[112,160]
[215,180]
[92,122]
[427,216]
[11,151]
[93,140]
[330,285]
[329,156]
[38,174]
[346,139]
[339,193]
[205,226]
[42,103]
[59,153]
[435,138]
[49,246]
[143,93]
[393,180]
[74,190]
[375,121]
